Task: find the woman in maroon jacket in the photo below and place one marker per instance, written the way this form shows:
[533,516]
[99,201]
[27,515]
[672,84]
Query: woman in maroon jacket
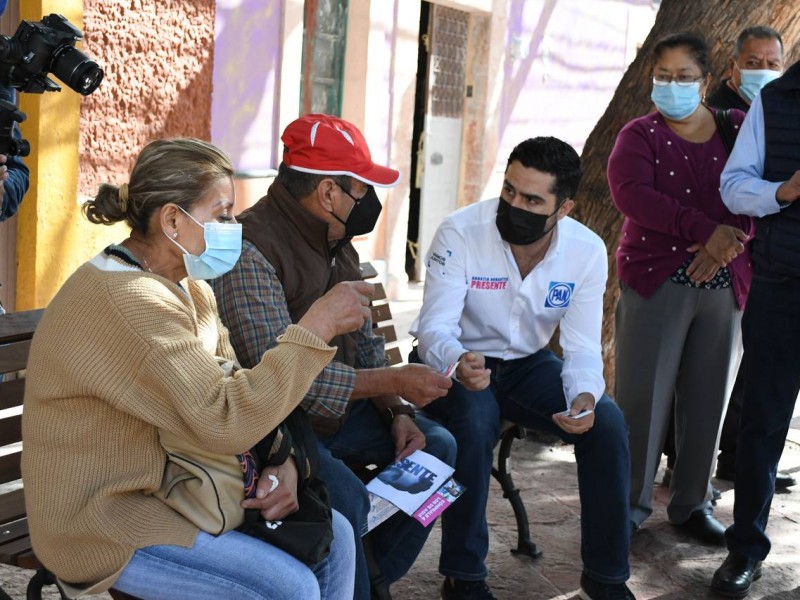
[684,273]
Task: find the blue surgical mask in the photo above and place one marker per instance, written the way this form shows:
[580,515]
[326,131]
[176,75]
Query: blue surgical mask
[675,101]
[223,247]
[753,80]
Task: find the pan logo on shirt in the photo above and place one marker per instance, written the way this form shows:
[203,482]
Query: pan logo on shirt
[488,283]
[559,294]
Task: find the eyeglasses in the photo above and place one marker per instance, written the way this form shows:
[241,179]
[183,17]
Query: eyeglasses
[346,191]
[680,80]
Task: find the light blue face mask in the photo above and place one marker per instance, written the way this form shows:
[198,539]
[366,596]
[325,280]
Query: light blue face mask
[675,101]
[753,80]
[223,248]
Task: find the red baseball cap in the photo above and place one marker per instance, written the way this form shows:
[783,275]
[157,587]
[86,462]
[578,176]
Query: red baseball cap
[327,145]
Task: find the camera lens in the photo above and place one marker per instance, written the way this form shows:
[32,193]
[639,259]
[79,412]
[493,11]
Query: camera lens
[75,69]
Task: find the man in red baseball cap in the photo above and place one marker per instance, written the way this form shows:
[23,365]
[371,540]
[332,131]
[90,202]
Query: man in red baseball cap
[326,145]
[297,246]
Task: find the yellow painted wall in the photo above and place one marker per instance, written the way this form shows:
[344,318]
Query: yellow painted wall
[158,63]
[53,238]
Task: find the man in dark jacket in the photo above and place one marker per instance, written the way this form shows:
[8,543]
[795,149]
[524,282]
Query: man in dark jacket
[762,179]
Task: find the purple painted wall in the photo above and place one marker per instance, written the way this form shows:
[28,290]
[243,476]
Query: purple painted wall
[244,105]
[563,62]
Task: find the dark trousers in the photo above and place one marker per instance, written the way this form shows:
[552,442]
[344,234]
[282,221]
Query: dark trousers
[730,427]
[529,391]
[771,337]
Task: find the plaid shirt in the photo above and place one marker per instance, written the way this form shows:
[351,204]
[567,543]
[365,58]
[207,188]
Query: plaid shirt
[253,307]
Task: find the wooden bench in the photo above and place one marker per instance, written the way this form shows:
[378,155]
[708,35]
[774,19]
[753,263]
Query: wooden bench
[381,315]
[16,331]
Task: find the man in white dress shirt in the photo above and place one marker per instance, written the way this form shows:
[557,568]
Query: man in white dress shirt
[501,276]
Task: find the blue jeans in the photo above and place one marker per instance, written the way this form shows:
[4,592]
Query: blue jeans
[771,338]
[236,565]
[365,438]
[529,391]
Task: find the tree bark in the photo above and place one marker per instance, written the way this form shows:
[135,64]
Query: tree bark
[720,21]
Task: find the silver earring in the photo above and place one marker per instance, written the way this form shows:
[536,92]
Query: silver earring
[174,234]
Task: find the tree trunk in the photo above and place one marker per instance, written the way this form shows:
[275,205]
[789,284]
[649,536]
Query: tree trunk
[720,21]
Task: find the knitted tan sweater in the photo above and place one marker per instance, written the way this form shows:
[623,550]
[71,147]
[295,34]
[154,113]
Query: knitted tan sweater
[118,355]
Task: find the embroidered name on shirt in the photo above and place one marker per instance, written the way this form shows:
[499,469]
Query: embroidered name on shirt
[559,294]
[489,283]
[438,259]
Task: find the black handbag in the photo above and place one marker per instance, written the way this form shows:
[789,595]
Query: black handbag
[307,533]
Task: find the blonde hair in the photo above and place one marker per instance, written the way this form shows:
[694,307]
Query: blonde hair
[178,170]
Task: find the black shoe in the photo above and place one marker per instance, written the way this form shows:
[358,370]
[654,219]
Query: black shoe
[458,589]
[704,527]
[784,481]
[734,577]
[715,495]
[594,590]
[667,477]
[379,590]
[727,471]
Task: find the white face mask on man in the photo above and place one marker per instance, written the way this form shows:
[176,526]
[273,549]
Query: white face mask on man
[753,80]
[223,248]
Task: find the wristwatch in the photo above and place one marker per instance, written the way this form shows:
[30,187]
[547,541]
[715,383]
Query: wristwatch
[402,409]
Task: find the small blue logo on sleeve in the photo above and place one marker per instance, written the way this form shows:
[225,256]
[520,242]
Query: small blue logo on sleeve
[559,294]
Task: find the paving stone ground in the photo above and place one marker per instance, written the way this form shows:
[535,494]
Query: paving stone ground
[665,564]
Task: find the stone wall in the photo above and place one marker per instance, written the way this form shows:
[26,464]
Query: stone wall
[158,58]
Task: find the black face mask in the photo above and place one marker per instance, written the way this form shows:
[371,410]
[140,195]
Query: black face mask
[364,214]
[521,227]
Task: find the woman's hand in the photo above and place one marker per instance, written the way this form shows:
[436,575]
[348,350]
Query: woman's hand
[282,500]
[725,244]
[344,308]
[703,267]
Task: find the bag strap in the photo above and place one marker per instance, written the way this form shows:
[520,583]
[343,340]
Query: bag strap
[298,439]
[726,129]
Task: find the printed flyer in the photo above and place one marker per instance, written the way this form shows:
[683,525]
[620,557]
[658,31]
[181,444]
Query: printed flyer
[420,485]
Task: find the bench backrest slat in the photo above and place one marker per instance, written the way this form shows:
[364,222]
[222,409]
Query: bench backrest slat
[11,393]
[10,468]
[10,430]
[19,325]
[14,356]
[12,506]
[16,331]
[10,552]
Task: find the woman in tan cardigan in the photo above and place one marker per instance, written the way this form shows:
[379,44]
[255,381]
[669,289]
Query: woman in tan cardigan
[129,351]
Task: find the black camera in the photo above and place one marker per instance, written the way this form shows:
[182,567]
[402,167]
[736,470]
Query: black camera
[39,47]
[9,145]
[36,49]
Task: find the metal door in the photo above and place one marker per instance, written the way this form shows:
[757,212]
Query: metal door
[439,159]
